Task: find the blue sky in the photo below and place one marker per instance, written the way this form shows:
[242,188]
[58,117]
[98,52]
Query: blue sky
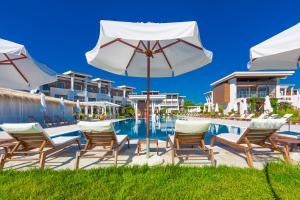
[59,33]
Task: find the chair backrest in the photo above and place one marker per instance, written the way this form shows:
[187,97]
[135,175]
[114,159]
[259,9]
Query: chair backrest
[31,135]
[287,116]
[250,116]
[190,132]
[260,130]
[99,133]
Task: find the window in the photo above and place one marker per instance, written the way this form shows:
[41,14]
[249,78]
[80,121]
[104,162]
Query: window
[92,99]
[60,85]
[46,87]
[59,96]
[77,87]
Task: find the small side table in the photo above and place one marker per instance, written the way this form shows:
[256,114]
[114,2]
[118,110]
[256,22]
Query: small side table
[140,142]
[289,144]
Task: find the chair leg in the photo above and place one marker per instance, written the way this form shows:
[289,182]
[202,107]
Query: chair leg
[78,154]
[285,153]
[42,160]
[173,156]
[79,145]
[212,157]
[128,143]
[2,160]
[249,158]
[212,140]
[116,157]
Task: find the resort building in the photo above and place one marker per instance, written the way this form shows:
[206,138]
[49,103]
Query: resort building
[231,89]
[169,101]
[74,85]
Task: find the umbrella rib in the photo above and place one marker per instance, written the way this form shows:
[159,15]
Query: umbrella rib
[126,43]
[200,48]
[162,51]
[5,62]
[154,45]
[132,55]
[168,45]
[14,65]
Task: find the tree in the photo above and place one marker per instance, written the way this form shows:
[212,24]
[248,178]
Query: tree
[188,103]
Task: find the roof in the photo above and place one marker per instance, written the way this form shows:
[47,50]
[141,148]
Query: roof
[279,74]
[70,72]
[101,80]
[144,97]
[125,86]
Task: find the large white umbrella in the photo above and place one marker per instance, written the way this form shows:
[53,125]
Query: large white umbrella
[245,106]
[43,105]
[148,50]
[235,107]
[204,109]
[209,108]
[62,106]
[267,105]
[280,52]
[19,71]
[242,111]
[216,108]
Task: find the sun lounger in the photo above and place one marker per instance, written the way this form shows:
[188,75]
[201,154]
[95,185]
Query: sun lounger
[31,138]
[189,136]
[258,133]
[246,117]
[101,134]
[263,116]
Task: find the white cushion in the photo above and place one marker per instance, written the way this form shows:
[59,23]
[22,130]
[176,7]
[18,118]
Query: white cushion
[22,128]
[191,126]
[120,138]
[63,139]
[100,126]
[231,137]
[266,123]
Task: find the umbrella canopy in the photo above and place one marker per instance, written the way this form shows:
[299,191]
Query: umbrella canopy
[43,103]
[242,111]
[204,109]
[62,105]
[209,108]
[19,71]
[78,109]
[281,52]
[216,108]
[267,105]
[148,50]
[245,106]
[235,107]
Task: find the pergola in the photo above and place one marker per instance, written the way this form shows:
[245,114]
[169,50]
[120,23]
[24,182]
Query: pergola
[102,107]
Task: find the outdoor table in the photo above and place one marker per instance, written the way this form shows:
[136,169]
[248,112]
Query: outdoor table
[140,142]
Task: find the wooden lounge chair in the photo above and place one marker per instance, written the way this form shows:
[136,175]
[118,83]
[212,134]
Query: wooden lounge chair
[189,136]
[258,134]
[101,134]
[246,117]
[31,138]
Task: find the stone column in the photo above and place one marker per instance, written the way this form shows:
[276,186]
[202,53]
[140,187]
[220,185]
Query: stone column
[92,111]
[72,83]
[109,91]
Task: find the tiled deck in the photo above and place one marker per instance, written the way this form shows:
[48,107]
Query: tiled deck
[223,155]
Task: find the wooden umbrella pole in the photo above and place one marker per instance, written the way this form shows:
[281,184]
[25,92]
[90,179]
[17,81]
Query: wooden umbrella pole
[148,104]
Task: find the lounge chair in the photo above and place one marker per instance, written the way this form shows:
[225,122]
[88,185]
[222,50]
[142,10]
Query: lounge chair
[263,116]
[259,133]
[31,138]
[246,117]
[189,136]
[100,134]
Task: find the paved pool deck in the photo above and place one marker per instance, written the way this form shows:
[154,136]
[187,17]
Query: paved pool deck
[128,156]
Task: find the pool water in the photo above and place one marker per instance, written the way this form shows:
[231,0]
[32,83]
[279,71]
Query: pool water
[158,129]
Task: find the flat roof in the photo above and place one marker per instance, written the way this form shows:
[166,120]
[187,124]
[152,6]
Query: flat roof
[70,72]
[101,80]
[144,97]
[125,86]
[279,74]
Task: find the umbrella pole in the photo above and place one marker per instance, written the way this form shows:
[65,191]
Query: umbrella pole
[148,106]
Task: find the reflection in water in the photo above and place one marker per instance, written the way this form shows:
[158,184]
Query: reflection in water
[160,128]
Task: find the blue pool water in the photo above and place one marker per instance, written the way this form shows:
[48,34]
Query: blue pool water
[158,130]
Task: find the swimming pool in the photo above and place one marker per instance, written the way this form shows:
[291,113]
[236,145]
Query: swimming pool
[158,129]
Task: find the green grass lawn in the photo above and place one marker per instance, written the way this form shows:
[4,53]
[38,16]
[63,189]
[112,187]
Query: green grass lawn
[171,182]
